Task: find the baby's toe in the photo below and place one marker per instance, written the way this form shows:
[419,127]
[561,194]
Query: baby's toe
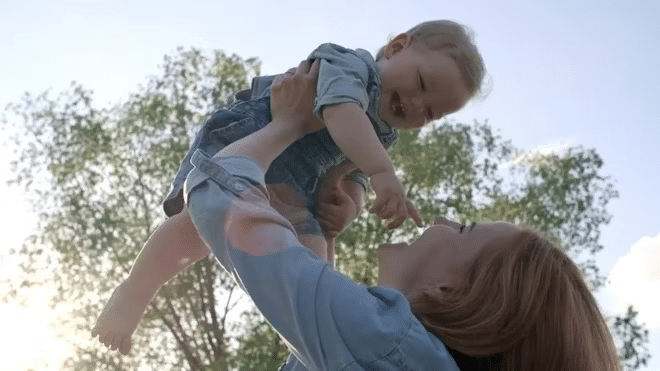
[114,344]
[105,338]
[125,345]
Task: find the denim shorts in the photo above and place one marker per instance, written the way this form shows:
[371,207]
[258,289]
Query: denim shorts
[290,182]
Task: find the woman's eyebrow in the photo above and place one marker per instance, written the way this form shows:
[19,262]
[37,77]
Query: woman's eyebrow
[474,224]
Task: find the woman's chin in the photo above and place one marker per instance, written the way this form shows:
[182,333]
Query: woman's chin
[388,246]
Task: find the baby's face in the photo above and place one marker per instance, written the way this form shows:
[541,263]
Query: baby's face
[419,85]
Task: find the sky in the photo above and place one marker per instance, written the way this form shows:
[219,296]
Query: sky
[560,73]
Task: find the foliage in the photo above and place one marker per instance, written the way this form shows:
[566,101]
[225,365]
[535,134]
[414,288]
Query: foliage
[633,338]
[97,177]
[259,346]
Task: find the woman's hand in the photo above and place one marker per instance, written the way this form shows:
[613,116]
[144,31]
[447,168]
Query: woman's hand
[292,100]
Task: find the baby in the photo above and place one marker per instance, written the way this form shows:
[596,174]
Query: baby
[421,75]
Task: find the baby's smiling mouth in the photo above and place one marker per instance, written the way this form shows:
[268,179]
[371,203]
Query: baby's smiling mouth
[397,105]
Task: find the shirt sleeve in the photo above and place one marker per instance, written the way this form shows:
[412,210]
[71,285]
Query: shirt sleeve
[343,77]
[328,321]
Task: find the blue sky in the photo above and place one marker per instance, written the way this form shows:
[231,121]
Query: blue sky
[562,73]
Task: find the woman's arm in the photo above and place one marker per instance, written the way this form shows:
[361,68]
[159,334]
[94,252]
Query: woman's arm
[292,118]
[329,321]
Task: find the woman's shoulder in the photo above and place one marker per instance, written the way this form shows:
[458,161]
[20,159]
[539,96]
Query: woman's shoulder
[383,330]
[418,348]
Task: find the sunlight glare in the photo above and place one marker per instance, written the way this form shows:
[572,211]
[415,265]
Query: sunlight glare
[28,340]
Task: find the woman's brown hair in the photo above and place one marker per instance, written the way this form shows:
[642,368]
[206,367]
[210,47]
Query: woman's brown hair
[523,305]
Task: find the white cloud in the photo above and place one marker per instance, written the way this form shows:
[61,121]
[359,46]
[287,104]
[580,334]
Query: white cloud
[635,279]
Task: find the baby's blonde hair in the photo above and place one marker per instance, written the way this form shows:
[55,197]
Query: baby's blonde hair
[456,40]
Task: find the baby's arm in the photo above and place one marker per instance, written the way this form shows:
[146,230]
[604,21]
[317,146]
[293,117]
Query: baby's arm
[351,129]
[353,132]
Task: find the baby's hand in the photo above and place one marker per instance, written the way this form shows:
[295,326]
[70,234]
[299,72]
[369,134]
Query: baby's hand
[391,200]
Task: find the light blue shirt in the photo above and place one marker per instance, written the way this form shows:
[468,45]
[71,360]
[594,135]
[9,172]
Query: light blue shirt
[328,321]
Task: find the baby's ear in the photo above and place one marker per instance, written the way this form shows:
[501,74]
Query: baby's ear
[396,45]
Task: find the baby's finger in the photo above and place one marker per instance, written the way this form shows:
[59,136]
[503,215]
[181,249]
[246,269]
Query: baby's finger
[414,214]
[400,216]
[389,210]
[378,205]
[397,221]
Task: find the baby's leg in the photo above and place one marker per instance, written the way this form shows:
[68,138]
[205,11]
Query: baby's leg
[292,207]
[174,246]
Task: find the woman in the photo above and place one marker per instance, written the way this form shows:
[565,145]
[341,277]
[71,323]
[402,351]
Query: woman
[487,296]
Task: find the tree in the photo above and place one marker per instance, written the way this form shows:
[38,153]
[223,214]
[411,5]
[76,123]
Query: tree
[97,177]
[259,346]
[632,337]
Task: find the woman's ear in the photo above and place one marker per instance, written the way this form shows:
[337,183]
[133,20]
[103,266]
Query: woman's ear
[427,298]
[439,291]
[396,45]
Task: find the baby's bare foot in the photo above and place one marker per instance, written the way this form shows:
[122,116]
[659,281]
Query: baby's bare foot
[120,317]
